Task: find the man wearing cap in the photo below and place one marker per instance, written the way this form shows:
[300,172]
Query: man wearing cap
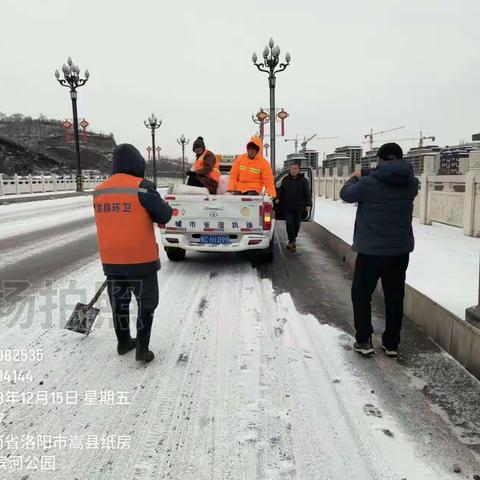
[383,239]
[205,172]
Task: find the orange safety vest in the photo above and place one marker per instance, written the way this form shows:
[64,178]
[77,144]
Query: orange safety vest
[124,227]
[215,173]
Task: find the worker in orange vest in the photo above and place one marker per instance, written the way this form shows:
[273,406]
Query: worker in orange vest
[251,172]
[126,207]
[205,172]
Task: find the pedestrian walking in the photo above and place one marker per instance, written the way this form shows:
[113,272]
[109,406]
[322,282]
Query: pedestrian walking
[383,240]
[126,207]
[295,201]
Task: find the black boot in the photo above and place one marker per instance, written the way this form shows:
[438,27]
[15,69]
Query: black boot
[144,328]
[143,353]
[126,345]
[122,330]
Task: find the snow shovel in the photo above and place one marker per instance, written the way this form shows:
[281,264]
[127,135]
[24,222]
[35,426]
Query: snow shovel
[83,316]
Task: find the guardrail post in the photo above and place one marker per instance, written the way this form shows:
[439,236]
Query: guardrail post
[2,189]
[15,181]
[472,314]
[423,211]
[54,182]
[470,194]
[335,189]
[30,182]
[43,183]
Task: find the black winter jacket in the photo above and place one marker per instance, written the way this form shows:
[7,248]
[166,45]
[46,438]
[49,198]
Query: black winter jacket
[383,224]
[294,194]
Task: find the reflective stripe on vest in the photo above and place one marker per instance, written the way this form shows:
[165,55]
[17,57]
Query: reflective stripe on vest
[124,227]
[125,190]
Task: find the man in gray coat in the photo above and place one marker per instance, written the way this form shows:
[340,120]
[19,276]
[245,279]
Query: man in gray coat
[383,238]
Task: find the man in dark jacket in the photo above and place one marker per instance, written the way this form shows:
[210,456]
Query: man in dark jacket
[126,207]
[205,171]
[294,199]
[383,238]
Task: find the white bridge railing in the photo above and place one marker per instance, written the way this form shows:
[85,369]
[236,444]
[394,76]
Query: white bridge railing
[29,184]
[449,199]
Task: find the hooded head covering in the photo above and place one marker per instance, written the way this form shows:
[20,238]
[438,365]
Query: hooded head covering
[127,159]
[390,151]
[198,143]
[255,142]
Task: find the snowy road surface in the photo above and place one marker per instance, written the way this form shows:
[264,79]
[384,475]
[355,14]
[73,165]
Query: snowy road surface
[254,376]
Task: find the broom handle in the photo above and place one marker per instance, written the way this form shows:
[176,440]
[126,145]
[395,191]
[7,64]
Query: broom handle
[97,295]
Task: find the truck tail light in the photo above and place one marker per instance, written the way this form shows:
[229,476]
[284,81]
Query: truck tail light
[170,197]
[267,216]
[175,212]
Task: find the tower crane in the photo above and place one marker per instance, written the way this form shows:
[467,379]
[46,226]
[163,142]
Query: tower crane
[419,139]
[371,134]
[306,140]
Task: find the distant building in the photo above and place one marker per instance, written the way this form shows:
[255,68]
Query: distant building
[369,160]
[454,159]
[417,160]
[476,137]
[336,160]
[345,159]
[306,158]
[293,158]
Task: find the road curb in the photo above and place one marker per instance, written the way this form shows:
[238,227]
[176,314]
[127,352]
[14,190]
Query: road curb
[5,200]
[454,335]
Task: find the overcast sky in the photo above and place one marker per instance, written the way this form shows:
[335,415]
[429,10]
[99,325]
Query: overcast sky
[355,65]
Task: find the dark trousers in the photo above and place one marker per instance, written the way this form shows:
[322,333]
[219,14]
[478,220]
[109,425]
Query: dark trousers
[145,290]
[293,221]
[193,181]
[206,182]
[391,271]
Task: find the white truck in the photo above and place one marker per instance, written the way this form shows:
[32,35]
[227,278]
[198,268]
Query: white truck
[222,223]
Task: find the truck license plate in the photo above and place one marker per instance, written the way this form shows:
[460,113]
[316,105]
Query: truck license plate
[214,239]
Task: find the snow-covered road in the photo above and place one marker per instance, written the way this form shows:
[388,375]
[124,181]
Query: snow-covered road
[243,385]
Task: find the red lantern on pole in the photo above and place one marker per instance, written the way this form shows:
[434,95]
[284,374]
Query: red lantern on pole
[282,115]
[67,125]
[262,119]
[84,124]
[149,151]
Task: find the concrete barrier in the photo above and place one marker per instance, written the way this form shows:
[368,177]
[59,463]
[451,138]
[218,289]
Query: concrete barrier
[457,337]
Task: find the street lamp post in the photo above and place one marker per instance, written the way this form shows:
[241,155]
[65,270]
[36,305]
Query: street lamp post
[271,65]
[266,146]
[183,141]
[152,123]
[71,79]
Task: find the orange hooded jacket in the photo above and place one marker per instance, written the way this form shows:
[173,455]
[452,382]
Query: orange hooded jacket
[247,174]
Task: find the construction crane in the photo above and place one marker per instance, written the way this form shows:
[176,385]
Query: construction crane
[419,139]
[371,134]
[306,140]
